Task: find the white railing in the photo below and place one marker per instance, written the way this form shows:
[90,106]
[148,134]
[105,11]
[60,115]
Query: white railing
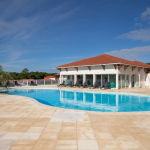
[27,82]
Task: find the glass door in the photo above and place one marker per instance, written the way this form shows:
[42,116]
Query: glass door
[98,79]
[104,79]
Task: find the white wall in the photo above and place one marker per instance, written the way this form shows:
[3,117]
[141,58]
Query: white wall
[109,69]
[147,82]
[135,71]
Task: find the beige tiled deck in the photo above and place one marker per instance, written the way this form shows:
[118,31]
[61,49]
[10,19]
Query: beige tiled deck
[26,124]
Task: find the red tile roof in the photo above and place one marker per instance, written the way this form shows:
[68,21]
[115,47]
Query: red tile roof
[103,59]
[50,77]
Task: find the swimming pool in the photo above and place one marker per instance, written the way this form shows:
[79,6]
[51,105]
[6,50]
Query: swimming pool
[104,102]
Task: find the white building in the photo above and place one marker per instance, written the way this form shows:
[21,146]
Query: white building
[105,68]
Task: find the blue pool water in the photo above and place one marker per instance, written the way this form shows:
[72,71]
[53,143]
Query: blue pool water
[104,102]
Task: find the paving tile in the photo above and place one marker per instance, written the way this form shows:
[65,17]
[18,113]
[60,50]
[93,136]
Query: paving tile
[35,129]
[19,129]
[133,130]
[116,129]
[49,136]
[25,123]
[130,145]
[2,134]
[88,144]
[144,143]
[116,124]
[52,129]
[10,123]
[45,145]
[123,136]
[5,129]
[68,129]
[54,124]
[141,136]
[85,136]
[30,136]
[66,145]
[12,135]
[24,145]
[101,129]
[104,136]
[69,124]
[6,144]
[85,129]
[109,144]
[67,136]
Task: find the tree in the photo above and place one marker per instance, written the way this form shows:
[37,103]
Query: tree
[25,70]
[4,77]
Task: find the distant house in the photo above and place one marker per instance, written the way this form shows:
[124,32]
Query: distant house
[105,68]
[50,78]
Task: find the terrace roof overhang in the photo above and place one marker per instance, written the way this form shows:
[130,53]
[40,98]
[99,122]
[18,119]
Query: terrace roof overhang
[102,64]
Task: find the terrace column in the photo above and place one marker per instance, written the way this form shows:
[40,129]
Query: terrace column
[84,78]
[139,81]
[94,78]
[117,78]
[130,81]
[75,79]
[60,79]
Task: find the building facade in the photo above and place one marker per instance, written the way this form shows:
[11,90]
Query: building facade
[105,68]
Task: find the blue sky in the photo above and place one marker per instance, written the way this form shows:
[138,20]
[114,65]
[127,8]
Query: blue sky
[40,35]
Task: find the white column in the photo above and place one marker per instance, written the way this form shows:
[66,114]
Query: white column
[101,80]
[36,82]
[59,79]
[44,82]
[27,82]
[108,77]
[62,79]
[84,78]
[139,81]
[121,81]
[94,78]
[75,79]
[130,85]
[125,81]
[117,78]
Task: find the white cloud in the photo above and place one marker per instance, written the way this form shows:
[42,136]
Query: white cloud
[138,24]
[146,14]
[132,54]
[141,34]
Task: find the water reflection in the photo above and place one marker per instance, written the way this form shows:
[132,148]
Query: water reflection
[90,100]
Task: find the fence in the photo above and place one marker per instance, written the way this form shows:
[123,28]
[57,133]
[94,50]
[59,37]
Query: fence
[27,82]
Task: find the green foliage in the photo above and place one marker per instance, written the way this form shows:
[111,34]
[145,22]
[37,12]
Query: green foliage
[4,76]
[148,63]
[25,74]
[25,70]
